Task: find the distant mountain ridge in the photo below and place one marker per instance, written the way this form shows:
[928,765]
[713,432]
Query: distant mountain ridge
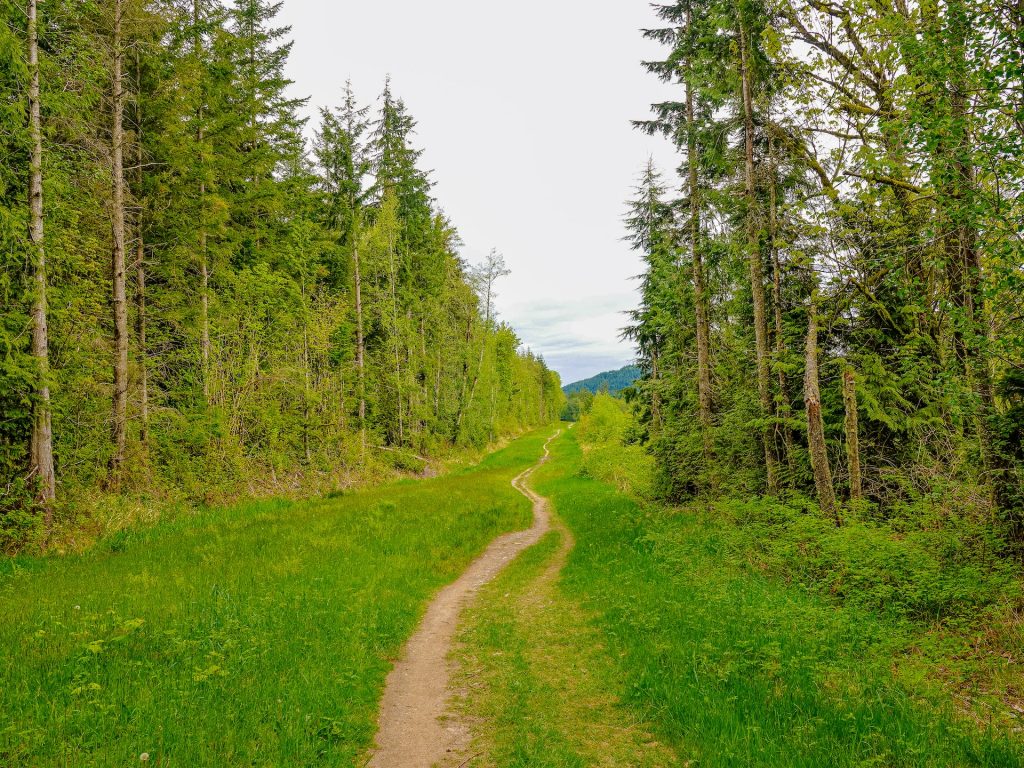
[616,380]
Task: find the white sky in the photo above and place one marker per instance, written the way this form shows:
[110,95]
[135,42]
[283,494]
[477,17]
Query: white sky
[523,111]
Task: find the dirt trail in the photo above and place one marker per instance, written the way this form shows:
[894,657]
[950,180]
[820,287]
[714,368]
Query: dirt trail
[410,730]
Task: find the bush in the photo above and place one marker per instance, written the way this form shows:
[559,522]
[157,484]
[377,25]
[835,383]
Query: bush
[925,564]
[21,521]
[947,573]
[627,467]
[611,454]
[606,422]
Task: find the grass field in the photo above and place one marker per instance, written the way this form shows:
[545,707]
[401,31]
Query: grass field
[261,635]
[721,665]
[256,635]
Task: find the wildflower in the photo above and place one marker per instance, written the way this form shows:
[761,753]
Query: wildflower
[144,757]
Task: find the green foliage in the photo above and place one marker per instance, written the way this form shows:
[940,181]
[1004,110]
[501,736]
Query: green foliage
[874,186]
[250,246]
[576,405]
[606,420]
[611,454]
[950,574]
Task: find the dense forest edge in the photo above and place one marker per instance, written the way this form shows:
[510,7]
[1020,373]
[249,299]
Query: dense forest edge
[198,303]
[832,300]
[830,329]
[743,631]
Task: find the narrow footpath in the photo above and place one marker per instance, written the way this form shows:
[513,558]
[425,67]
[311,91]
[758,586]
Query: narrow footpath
[412,730]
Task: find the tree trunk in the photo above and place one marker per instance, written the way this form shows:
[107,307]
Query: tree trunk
[119,301]
[464,385]
[852,436]
[140,276]
[815,425]
[756,269]
[41,453]
[140,300]
[204,300]
[394,330]
[963,258]
[480,362]
[699,291]
[204,267]
[785,410]
[657,422]
[437,385]
[307,389]
[360,344]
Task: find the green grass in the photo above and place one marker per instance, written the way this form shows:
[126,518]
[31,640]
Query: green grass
[726,666]
[537,679]
[257,635]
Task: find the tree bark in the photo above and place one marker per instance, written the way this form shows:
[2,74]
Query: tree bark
[204,267]
[360,344]
[41,451]
[479,365]
[204,300]
[119,301]
[307,388]
[756,267]
[437,385]
[140,277]
[493,269]
[852,435]
[697,263]
[657,422]
[393,278]
[815,425]
[784,407]
[962,255]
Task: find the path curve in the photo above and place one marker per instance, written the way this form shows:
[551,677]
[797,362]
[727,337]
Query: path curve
[410,730]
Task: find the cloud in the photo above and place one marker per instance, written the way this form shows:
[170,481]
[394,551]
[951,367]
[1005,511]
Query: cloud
[577,336]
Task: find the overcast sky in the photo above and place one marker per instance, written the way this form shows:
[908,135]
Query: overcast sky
[523,111]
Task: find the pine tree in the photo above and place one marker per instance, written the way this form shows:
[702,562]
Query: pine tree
[345,163]
[252,302]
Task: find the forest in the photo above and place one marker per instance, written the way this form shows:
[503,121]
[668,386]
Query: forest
[614,381]
[199,297]
[280,486]
[832,300]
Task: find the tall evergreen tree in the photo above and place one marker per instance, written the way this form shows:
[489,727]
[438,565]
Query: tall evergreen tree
[41,454]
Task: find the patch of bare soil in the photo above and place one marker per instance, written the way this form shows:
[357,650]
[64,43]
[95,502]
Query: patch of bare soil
[411,731]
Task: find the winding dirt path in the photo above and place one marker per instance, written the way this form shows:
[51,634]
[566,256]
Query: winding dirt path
[410,729]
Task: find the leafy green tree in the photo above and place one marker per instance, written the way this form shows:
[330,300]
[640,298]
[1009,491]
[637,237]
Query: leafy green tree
[856,154]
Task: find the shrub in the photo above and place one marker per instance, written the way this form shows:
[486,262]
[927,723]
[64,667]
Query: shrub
[944,573]
[606,422]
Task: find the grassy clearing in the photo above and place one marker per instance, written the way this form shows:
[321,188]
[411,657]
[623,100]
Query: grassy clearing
[536,678]
[259,634]
[727,666]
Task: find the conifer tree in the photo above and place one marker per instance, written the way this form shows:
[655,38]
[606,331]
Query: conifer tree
[345,164]
[853,152]
[41,455]
[119,298]
[267,299]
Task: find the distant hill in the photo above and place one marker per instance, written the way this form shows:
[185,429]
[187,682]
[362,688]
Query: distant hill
[617,381]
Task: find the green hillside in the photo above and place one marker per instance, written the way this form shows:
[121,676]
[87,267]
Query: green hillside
[616,380]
